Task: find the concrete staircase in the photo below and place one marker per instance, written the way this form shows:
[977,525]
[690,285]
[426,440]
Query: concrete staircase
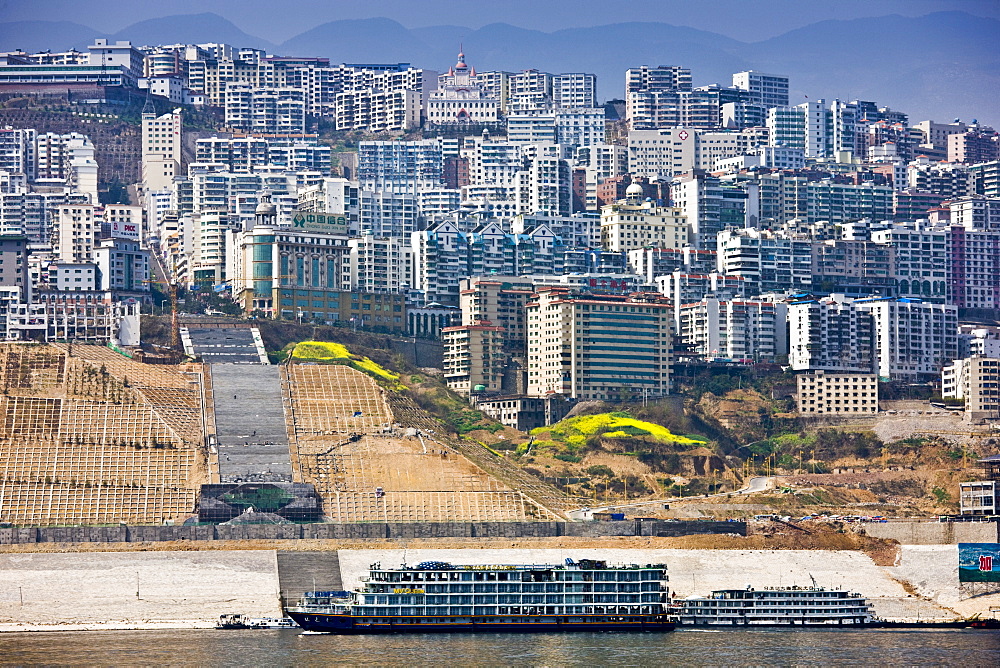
[299,572]
[250,423]
[224,345]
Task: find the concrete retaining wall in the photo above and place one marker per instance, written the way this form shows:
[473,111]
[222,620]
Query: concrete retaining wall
[128,534]
[935,533]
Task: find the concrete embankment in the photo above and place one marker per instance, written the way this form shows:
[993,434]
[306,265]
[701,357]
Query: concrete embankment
[191,589]
[934,533]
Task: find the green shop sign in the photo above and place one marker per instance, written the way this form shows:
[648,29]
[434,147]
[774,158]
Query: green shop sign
[320,222]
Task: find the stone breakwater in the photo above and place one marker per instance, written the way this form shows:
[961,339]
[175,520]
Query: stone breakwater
[103,590]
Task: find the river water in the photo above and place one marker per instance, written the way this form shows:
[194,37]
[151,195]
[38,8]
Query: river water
[963,647]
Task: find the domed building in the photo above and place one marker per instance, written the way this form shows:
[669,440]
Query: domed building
[460,102]
[266,212]
[637,222]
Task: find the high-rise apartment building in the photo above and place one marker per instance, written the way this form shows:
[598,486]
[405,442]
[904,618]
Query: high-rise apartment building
[17,151]
[821,130]
[975,146]
[976,380]
[830,335]
[589,347]
[574,90]
[734,329]
[474,358]
[913,339]
[14,265]
[710,206]
[767,261]
[767,90]
[161,150]
[76,232]
[632,224]
[662,78]
[400,166]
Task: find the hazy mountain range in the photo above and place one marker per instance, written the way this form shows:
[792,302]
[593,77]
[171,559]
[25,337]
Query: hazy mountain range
[939,66]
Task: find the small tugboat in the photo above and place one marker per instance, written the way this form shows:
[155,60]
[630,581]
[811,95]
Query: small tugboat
[273,623]
[979,622]
[436,596]
[236,621]
[776,606]
[233,621]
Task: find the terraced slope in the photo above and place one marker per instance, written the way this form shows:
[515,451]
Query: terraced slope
[91,437]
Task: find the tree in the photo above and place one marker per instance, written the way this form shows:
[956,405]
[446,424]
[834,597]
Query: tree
[600,471]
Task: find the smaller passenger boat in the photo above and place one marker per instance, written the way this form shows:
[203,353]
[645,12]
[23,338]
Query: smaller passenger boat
[776,606]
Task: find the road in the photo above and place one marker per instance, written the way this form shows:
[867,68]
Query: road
[754,485]
[759,484]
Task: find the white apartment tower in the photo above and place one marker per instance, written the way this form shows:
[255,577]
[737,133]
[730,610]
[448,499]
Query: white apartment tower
[830,335]
[76,233]
[574,90]
[161,150]
[767,90]
[662,78]
[734,329]
[913,339]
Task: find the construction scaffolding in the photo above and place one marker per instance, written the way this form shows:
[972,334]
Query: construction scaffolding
[368,469]
[336,399]
[91,437]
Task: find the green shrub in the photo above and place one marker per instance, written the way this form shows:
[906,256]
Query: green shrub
[600,470]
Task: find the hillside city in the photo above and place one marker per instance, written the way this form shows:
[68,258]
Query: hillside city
[563,252]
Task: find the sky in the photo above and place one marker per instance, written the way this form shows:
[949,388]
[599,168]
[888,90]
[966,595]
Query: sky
[278,20]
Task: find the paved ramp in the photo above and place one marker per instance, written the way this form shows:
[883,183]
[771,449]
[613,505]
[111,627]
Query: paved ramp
[250,424]
[299,572]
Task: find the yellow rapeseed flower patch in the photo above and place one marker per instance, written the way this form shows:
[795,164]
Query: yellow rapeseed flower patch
[574,431]
[321,351]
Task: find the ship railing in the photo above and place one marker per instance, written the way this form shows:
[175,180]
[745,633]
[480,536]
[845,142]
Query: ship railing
[328,594]
[327,609]
[513,567]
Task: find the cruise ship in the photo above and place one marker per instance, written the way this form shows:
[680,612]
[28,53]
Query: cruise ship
[776,606]
[435,596]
